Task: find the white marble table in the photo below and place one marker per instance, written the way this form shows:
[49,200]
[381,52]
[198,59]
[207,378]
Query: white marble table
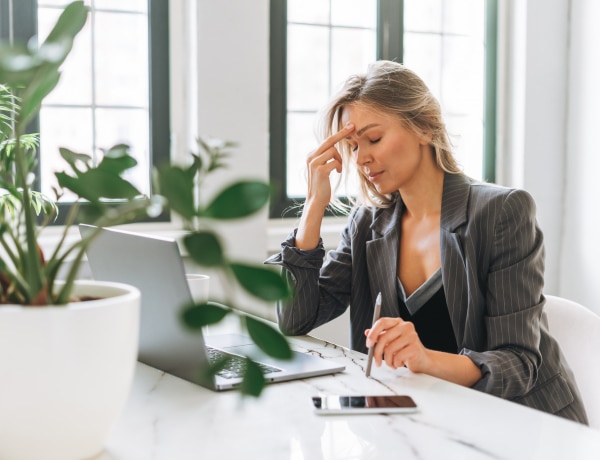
[170,419]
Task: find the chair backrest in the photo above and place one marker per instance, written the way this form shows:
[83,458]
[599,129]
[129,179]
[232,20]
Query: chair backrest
[577,331]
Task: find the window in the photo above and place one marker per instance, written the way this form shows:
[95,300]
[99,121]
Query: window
[316,44]
[114,87]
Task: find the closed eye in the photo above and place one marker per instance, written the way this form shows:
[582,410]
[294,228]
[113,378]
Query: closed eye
[374,141]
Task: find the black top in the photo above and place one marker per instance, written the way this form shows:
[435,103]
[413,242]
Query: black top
[429,315]
[432,323]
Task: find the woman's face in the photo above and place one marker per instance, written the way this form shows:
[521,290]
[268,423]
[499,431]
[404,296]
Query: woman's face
[387,153]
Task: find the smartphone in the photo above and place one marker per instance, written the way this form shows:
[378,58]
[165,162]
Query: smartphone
[384,404]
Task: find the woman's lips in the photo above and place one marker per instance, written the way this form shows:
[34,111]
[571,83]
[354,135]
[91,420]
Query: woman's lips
[374,176]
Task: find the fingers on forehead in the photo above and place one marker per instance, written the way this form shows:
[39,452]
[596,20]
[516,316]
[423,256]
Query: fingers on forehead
[343,132]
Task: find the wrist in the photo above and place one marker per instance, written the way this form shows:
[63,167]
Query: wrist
[308,234]
[315,207]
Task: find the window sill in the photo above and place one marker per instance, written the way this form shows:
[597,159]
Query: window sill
[278,230]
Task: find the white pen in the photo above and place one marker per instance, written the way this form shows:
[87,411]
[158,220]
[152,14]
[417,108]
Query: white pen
[376,314]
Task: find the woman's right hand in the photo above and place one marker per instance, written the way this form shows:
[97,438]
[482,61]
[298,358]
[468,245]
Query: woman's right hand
[321,163]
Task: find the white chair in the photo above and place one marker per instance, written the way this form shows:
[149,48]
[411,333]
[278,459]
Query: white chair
[577,330]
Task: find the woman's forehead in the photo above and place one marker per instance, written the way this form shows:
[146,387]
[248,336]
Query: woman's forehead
[363,112]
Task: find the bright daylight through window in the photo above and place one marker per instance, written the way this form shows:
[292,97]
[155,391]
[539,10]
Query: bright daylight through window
[102,98]
[114,87]
[442,40]
[107,97]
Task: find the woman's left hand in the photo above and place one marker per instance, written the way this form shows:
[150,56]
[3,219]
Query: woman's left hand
[397,343]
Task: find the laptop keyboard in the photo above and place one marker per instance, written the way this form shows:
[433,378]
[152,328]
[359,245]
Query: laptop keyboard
[236,365]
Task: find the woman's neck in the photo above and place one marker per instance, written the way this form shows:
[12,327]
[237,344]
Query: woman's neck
[423,196]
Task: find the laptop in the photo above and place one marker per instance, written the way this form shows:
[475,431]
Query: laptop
[154,265]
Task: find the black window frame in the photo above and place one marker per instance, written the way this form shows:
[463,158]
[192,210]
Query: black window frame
[390,25]
[22,16]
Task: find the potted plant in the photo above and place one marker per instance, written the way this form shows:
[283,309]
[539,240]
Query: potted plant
[66,358]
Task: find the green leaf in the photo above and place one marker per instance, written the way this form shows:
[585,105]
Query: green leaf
[72,158]
[262,282]
[204,248]
[240,199]
[95,184]
[17,65]
[52,54]
[41,202]
[207,374]
[268,339]
[37,90]
[198,316]
[117,164]
[36,70]
[254,380]
[103,181]
[177,186]
[117,151]
[70,22]
[195,167]
[107,185]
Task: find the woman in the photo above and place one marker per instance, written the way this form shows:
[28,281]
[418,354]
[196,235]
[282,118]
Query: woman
[459,263]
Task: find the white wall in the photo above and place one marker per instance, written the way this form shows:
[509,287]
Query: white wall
[220,88]
[548,130]
[533,101]
[580,268]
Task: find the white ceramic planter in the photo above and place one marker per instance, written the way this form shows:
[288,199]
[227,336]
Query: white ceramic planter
[66,373]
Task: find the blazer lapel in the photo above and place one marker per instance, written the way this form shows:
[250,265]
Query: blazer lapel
[455,201]
[382,257]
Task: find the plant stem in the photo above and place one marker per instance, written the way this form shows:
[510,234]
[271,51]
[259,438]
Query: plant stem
[33,272]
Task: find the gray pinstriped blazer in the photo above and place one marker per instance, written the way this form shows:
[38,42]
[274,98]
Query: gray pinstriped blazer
[492,259]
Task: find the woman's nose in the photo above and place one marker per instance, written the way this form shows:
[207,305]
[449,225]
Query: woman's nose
[362,157]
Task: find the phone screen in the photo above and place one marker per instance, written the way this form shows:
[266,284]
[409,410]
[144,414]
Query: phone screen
[336,404]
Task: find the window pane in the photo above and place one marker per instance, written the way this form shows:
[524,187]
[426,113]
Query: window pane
[129,5]
[75,85]
[121,59]
[462,76]
[128,126]
[354,13]
[308,64]
[62,127]
[107,78]
[351,51]
[423,54]
[58,3]
[446,47]
[464,17]
[309,11]
[319,59]
[466,133]
[423,15]
[300,141]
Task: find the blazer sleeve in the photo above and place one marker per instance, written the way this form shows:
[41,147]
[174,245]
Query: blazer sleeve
[321,289]
[514,301]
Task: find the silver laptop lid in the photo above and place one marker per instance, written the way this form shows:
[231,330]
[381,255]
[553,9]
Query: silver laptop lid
[154,265]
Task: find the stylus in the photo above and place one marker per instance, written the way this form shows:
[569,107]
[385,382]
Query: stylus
[376,314]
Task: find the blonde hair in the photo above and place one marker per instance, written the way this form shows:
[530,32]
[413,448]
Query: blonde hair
[394,89]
